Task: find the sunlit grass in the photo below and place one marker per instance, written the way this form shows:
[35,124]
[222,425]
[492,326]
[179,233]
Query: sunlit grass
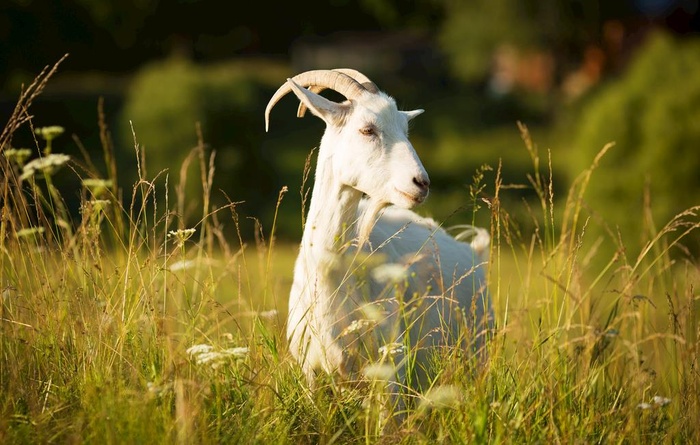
[126,325]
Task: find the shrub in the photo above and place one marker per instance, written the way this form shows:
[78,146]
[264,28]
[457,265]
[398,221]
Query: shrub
[651,114]
[169,99]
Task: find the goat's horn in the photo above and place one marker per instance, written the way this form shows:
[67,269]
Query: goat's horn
[358,76]
[334,80]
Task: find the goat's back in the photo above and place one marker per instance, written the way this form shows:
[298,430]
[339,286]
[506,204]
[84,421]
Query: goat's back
[445,278]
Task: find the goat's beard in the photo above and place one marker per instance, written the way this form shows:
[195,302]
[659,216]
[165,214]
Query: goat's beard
[368,219]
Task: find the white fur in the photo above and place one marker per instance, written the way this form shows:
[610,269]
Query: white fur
[341,314]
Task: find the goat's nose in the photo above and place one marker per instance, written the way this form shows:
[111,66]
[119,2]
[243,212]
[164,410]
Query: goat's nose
[422,182]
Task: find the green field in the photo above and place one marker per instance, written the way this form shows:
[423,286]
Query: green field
[100,314]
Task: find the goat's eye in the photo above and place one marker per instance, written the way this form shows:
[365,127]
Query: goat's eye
[368,131]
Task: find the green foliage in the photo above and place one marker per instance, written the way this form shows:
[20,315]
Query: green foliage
[651,114]
[168,99]
[175,104]
[473,31]
[165,102]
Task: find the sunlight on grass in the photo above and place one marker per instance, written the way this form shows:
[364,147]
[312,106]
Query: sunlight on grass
[125,325]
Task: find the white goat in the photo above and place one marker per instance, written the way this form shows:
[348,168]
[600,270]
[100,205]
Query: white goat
[374,283]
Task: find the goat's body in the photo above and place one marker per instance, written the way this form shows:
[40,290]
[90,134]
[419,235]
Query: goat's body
[412,284]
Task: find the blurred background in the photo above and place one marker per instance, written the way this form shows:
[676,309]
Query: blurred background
[578,74]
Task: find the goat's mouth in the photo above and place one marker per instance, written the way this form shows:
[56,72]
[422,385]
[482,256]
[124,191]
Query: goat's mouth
[413,199]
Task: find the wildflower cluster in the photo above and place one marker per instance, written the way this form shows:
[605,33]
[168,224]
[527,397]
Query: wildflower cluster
[357,326]
[48,165]
[392,349]
[204,354]
[656,401]
[181,235]
[49,134]
[17,155]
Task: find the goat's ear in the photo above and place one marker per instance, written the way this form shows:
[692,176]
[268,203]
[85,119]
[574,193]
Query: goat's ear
[411,114]
[331,112]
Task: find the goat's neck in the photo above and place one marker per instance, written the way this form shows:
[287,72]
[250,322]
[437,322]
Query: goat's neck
[331,221]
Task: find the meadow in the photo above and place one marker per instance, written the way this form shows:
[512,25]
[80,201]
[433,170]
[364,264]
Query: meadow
[125,325]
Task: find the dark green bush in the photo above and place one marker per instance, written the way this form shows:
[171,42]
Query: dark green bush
[652,114]
[166,102]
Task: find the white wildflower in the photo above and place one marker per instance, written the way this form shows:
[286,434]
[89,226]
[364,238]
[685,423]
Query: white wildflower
[49,132]
[356,326]
[391,349]
[181,235]
[661,401]
[18,155]
[199,349]
[208,355]
[389,273]
[48,165]
[644,405]
[379,371]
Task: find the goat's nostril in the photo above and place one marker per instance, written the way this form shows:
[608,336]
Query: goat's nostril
[422,182]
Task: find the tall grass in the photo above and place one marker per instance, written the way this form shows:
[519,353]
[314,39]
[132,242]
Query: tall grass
[122,325]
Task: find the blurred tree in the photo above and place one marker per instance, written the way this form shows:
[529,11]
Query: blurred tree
[166,102]
[474,31]
[652,114]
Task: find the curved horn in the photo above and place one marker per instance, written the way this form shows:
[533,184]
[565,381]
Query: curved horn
[334,80]
[358,76]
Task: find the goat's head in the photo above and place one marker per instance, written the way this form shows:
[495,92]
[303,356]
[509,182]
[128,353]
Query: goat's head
[366,138]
